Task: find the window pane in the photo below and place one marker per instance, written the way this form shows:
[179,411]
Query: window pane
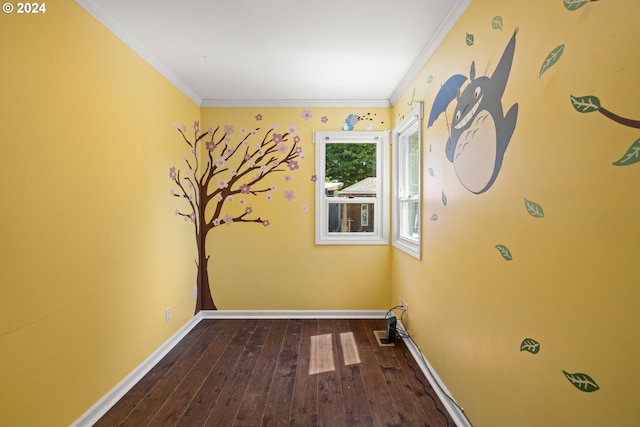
[351,167]
[413,164]
[348,217]
[410,223]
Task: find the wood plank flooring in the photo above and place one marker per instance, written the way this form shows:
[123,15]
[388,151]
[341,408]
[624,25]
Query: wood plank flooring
[279,372]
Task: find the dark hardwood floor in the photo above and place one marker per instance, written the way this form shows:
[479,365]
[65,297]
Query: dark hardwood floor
[280,372]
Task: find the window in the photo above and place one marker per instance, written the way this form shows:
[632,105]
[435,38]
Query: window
[351,194]
[407,176]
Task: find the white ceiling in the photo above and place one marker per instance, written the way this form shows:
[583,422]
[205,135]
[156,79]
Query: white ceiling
[283,52]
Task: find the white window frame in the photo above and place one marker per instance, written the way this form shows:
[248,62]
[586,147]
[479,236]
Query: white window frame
[381,202]
[411,124]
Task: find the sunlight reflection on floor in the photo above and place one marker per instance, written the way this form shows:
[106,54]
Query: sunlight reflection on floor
[321,352]
[349,348]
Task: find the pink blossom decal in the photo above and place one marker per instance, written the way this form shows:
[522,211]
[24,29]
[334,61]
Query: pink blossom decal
[222,164]
[324,119]
[306,114]
[282,148]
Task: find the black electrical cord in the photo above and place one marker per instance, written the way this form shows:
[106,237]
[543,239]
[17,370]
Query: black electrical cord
[404,334]
[386,316]
[424,386]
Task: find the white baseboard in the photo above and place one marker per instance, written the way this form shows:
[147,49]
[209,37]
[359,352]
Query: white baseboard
[96,412]
[441,390]
[115,394]
[293,314]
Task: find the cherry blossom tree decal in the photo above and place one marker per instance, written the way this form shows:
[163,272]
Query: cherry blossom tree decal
[217,169]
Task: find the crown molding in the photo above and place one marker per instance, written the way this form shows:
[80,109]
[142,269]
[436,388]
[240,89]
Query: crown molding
[456,11]
[283,103]
[98,13]
[458,8]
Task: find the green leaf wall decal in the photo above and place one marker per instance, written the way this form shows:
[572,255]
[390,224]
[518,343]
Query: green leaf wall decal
[585,104]
[431,171]
[574,4]
[496,23]
[469,39]
[631,156]
[444,199]
[534,209]
[430,79]
[582,382]
[505,252]
[530,345]
[551,59]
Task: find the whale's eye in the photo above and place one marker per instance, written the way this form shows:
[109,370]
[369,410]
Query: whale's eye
[476,93]
[457,115]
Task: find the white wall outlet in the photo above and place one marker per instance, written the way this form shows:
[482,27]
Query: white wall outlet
[403,304]
[167,314]
[194,293]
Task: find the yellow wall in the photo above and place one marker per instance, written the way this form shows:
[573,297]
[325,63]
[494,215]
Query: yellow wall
[571,285]
[279,267]
[91,250]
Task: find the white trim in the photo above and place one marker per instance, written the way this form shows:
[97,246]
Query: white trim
[458,416]
[413,120]
[293,314]
[456,11]
[96,412]
[359,103]
[106,20]
[459,6]
[380,235]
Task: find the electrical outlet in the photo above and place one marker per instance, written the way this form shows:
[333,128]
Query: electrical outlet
[403,304]
[167,314]
[194,293]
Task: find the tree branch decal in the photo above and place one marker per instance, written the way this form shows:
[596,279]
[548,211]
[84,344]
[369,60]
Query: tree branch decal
[216,170]
[589,104]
